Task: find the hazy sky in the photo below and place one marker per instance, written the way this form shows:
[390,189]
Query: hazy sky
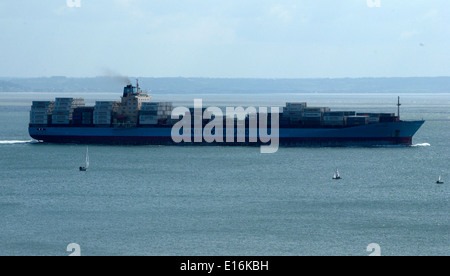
[225,38]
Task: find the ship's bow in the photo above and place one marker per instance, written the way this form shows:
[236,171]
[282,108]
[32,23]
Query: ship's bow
[405,131]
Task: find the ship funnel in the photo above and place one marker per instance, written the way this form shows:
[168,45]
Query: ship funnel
[129,89]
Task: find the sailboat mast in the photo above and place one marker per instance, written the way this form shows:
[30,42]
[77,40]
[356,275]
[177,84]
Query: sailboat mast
[87,157]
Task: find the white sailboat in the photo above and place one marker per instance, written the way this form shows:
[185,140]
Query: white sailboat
[85,168]
[440,180]
[336,175]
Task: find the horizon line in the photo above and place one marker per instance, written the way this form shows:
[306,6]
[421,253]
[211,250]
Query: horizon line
[225,78]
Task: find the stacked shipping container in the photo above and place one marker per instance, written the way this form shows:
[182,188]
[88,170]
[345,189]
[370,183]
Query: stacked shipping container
[103,112]
[336,118]
[292,113]
[41,111]
[312,116]
[153,112]
[83,116]
[357,120]
[63,110]
[299,113]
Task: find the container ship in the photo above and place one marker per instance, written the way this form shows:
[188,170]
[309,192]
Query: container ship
[136,120]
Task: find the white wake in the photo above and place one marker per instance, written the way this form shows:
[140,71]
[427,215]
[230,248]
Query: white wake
[422,145]
[15,142]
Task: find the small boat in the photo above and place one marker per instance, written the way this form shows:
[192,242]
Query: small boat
[336,175]
[85,168]
[440,180]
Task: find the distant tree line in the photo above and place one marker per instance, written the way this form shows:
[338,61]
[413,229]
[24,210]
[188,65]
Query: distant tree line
[229,85]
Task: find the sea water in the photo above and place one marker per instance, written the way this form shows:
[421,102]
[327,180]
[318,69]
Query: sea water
[170,200]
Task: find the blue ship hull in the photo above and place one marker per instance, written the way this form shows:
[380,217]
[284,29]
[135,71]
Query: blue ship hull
[379,134]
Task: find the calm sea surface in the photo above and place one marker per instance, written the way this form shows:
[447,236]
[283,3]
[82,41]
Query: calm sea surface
[167,200]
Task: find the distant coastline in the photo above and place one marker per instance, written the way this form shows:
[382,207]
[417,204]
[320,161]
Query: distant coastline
[230,85]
